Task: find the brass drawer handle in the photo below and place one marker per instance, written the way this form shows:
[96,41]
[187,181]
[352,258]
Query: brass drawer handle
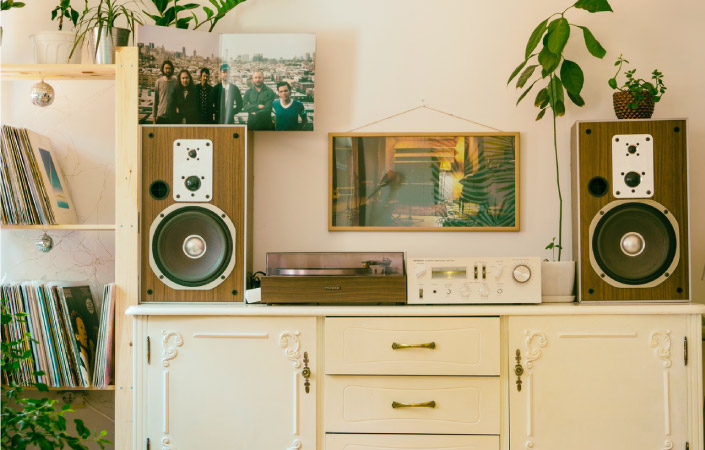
[397,346]
[431,404]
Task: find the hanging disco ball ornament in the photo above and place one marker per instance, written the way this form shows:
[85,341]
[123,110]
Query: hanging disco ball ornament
[42,94]
[45,243]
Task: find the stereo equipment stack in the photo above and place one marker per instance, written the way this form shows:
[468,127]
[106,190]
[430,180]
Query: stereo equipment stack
[474,280]
[195,223]
[630,210]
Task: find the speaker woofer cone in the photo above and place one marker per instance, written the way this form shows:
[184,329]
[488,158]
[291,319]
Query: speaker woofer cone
[192,246]
[634,243]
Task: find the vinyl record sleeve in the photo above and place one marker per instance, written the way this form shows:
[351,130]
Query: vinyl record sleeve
[53,178]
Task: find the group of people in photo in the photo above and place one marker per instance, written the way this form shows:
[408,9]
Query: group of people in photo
[180,100]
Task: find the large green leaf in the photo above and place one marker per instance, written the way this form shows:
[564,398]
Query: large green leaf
[548,61]
[559,36]
[526,75]
[593,5]
[541,97]
[592,44]
[515,73]
[577,99]
[572,77]
[535,38]
[541,113]
[521,97]
[555,92]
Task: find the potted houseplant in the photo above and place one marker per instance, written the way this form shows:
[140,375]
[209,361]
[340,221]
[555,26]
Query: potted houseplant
[635,99]
[98,25]
[544,60]
[168,13]
[6,5]
[54,47]
[30,422]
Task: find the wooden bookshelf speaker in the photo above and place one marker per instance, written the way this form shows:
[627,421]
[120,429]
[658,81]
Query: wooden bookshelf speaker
[630,210]
[195,224]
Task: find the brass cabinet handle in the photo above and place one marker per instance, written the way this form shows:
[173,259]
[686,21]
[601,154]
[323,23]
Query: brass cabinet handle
[306,373]
[518,370]
[431,404]
[397,346]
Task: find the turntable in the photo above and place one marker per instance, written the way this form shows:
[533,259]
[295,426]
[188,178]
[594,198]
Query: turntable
[327,277]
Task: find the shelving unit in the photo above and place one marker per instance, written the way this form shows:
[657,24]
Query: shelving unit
[126,210]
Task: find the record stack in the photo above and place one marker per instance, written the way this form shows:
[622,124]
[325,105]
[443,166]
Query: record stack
[65,330]
[33,189]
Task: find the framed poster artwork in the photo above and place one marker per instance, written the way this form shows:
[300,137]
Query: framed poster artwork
[424,181]
[265,81]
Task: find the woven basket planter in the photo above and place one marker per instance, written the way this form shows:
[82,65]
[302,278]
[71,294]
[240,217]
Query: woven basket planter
[621,101]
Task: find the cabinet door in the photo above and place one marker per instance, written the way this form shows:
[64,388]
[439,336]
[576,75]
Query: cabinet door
[607,382]
[231,382]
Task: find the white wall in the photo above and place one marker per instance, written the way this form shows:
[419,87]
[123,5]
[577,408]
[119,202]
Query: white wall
[376,58]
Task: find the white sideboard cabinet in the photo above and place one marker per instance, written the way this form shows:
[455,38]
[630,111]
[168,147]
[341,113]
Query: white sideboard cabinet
[608,382]
[538,377]
[239,383]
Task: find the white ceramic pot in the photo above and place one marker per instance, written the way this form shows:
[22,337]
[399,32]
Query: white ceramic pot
[557,281]
[54,47]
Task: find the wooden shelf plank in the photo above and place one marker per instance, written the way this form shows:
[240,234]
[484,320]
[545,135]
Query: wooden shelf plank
[74,227]
[57,71]
[52,389]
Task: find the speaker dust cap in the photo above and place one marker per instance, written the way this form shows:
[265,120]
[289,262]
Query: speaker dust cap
[634,244]
[192,246]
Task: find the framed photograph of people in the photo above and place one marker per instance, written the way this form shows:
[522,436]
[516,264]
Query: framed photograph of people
[423,181]
[265,81]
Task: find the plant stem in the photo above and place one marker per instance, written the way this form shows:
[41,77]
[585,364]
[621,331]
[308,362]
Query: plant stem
[558,176]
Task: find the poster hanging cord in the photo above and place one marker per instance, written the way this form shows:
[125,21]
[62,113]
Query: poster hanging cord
[423,105]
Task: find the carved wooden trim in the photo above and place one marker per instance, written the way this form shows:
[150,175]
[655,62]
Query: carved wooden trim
[216,335]
[170,352]
[668,445]
[533,349]
[289,341]
[661,341]
[296,445]
[166,444]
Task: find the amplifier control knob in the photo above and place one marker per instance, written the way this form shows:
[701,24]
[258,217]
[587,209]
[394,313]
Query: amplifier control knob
[522,273]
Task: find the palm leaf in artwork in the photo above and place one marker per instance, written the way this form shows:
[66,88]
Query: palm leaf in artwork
[492,184]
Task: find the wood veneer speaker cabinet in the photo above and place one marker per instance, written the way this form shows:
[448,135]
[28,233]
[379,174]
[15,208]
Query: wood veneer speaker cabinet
[630,210]
[213,213]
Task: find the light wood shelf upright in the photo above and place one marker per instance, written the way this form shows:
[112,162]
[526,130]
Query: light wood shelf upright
[127,176]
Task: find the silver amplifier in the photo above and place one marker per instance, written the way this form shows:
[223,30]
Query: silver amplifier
[475,280]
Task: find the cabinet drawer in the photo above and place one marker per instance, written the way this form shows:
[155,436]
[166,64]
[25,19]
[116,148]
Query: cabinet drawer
[439,346]
[409,442]
[462,405]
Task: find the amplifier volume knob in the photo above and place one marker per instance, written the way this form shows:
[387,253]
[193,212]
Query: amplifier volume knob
[522,273]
